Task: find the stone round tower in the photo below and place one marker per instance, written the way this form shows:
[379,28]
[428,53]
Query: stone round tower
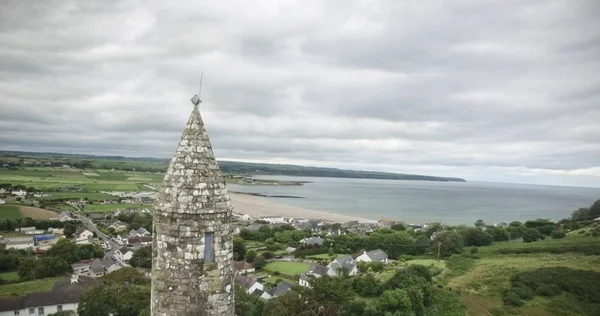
[192,272]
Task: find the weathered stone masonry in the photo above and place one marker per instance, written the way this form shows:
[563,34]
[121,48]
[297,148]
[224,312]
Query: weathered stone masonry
[192,221]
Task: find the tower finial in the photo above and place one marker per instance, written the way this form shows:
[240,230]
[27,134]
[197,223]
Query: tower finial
[196,98]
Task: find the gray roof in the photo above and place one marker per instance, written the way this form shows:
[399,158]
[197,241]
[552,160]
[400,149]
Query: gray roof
[97,266]
[254,226]
[377,255]
[318,269]
[282,288]
[244,281]
[63,292]
[19,241]
[344,259]
[304,277]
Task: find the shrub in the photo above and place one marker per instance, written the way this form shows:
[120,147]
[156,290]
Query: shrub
[525,293]
[406,257]
[546,290]
[474,250]
[512,298]
[558,234]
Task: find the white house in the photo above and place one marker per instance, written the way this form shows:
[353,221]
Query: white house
[84,233]
[312,241]
[123,254]
[346,262]
[2,202]
[65,217]
[64,296]
[249,284]
[82,241]
[373,255]
[277,219]
[19,193]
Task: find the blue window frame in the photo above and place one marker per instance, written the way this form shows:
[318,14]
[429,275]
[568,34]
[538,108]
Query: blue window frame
[208,247]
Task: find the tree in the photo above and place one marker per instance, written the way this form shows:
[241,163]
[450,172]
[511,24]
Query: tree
[422,243]
[142,258]
[396,300]
[48,267]
[126,275]
[250,256]
[70,230]
[116,299]
[260,262]
[331,253]
[499,233]
[239,248]
[476,237]
[448,242]
[558,234]
[247,304]
[479,223]
[531,235]
[26,270]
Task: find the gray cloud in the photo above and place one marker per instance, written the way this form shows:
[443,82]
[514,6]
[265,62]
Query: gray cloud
[493,90]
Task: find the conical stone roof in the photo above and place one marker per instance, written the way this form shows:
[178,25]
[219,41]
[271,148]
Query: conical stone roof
[193,183]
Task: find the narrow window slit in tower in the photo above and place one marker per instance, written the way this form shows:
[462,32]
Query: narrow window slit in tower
[208,247]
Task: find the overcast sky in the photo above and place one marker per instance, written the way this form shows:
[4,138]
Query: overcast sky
[486,90]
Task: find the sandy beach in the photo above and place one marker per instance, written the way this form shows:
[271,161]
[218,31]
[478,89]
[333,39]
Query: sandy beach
[257,207]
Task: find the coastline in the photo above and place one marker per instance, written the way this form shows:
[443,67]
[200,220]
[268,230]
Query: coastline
[257,207]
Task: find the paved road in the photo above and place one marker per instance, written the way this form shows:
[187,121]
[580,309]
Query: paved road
[92,227]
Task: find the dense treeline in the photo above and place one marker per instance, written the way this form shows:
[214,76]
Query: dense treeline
[291,170]
[409,292]
[54,262]
[12,224]
[581,289]
[285,234]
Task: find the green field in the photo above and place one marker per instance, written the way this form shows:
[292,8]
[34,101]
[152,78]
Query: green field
[103,208]
[482,286]
[288,268]
[9,276]
[9,212]
[24,288]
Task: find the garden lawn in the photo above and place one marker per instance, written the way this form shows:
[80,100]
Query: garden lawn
[285,267]
[9,276]
[428,262]
[10,212]
[24,288]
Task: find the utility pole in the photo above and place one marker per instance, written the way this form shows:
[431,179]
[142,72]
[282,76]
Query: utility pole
[439,248]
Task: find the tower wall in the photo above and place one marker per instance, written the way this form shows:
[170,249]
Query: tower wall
[192,220]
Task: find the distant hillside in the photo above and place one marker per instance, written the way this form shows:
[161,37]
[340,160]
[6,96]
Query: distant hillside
[301,171]
[245,168]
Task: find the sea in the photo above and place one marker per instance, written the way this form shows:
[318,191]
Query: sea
[417,202]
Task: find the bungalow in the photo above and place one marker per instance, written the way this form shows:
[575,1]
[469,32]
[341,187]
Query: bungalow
[123,254]
[65,217]
[117,225]
[81,267]
[84,233]
[97,269]
[243,267]
[122,239]
[19,193]
[312,241]
[82,241]
[64,296]
[282,288]
[373,255]
[20,243]
[338,265]
[2,191]
[143,232]
[2,202]
[290,249]
[76,202]
[110,265]
[139,241]
[277,219]
[248,283]
[146,200]
[338,232]
[316,271]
